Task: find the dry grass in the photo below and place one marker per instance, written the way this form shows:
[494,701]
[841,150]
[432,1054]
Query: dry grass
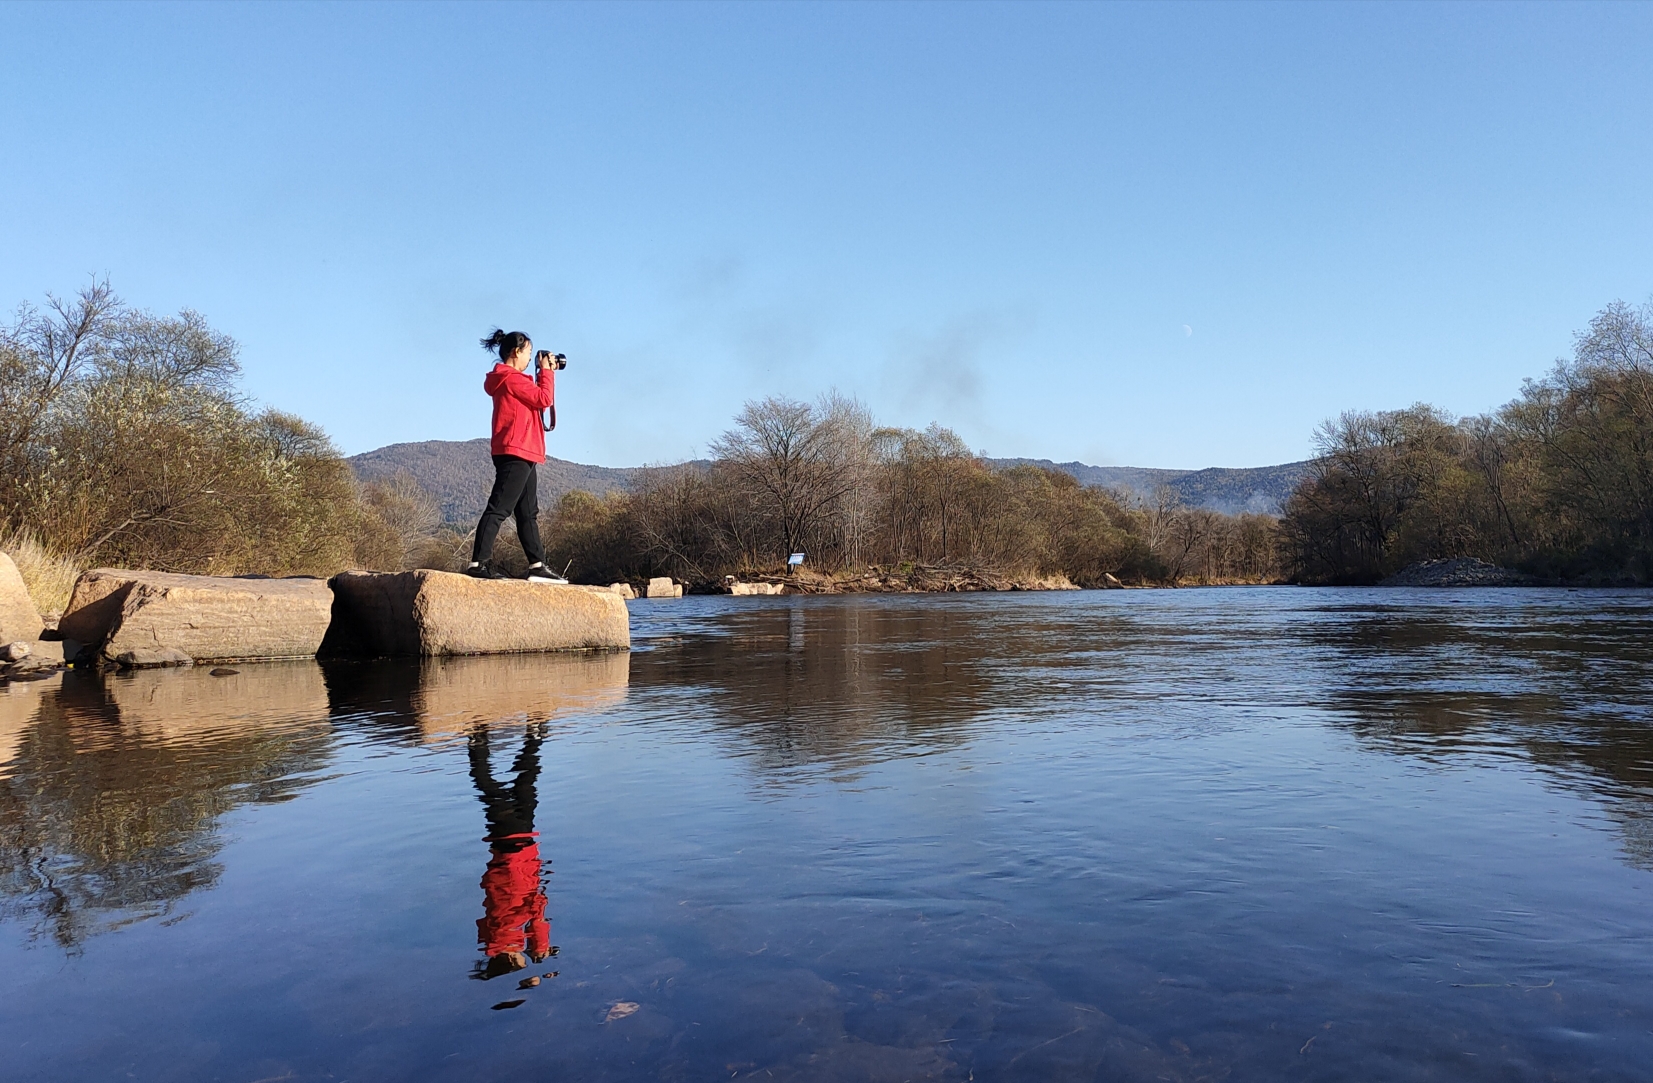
[48,576]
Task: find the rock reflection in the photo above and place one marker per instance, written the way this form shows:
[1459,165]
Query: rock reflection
[115,783]
[421,700]
[513,930]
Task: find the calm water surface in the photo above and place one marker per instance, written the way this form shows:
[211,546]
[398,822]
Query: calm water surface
[1224,834]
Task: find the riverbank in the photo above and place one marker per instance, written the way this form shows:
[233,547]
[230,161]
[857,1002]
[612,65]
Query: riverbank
[901,579]
[949,579]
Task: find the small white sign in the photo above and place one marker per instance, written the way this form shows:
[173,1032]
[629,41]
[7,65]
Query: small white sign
[794,560]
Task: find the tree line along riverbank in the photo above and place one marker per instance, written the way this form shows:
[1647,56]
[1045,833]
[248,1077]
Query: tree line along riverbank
[124,441]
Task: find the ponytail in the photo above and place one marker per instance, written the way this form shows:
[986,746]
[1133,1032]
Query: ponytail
[505,343]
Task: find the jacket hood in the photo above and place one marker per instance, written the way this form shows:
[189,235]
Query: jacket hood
[495,380]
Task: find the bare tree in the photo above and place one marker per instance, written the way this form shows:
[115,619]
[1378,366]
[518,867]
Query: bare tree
[1158,512]
[1188,531]
[849,428]
[783,453]
[410,512]
[40,353]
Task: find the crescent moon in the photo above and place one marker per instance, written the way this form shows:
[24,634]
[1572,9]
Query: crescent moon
[1188,332]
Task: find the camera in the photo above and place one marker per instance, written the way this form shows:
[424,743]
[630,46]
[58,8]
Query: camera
[546,357]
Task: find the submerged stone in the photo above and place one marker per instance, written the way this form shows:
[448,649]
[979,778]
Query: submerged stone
[146,659]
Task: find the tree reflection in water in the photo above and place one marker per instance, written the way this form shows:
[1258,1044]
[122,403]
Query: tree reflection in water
[1562,687]
[513,929]
[110,803]
[845,683]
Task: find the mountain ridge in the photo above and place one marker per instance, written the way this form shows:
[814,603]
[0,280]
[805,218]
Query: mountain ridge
[459,473]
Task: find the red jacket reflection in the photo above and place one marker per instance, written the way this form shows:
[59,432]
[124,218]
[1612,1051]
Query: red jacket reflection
[513,906]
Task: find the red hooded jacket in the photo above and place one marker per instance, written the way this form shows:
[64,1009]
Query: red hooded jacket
[518,400]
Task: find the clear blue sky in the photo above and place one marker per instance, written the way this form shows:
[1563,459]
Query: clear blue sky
[1174,236]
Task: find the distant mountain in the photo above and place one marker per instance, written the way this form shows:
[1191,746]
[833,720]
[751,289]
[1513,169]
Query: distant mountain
[1230,490]
[458,473]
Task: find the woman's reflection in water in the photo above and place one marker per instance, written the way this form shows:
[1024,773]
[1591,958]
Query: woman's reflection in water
[513,929]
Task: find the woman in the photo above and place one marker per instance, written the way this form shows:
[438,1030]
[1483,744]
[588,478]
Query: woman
[518,446]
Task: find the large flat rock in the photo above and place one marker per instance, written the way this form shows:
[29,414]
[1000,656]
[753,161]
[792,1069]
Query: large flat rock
[19,619]
[153,618]
[426,613]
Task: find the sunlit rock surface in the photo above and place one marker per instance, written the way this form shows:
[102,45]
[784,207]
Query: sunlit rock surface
[19,620]
[425,613]
[153,617]
[663,587]
[740,589]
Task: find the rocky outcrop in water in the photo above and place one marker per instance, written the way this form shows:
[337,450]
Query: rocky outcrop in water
[663,587]
[139,619]
[1458,572]
[424,613]
[745,589]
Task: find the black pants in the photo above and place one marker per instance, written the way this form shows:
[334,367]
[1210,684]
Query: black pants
[516,491]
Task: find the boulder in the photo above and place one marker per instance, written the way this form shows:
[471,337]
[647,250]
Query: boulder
[742,589]
[425,613]
[29,661]
[661,586]
[159,618]
[19,619]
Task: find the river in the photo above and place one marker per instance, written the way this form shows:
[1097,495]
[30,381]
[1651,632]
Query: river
[1241,834]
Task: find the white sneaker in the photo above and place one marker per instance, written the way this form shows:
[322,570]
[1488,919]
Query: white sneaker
[542,574]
